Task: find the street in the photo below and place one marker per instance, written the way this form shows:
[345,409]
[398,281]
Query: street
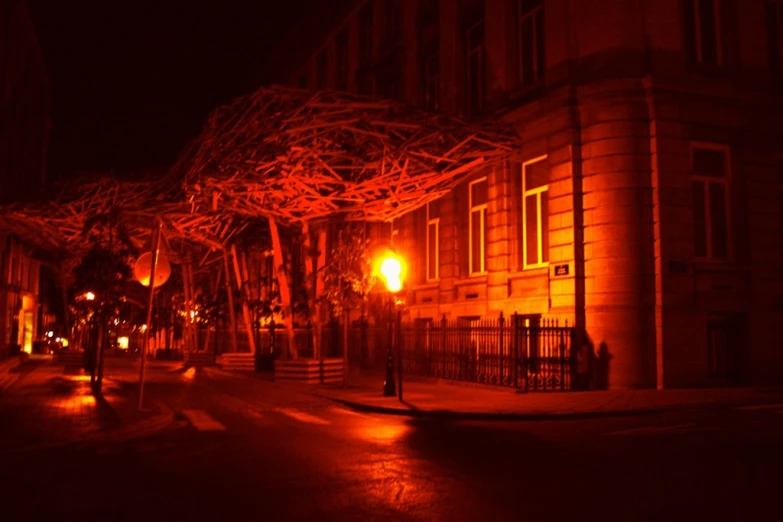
[245,449]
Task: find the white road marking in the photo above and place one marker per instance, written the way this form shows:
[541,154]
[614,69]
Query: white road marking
[302,416]
[9,380]
[761,407]
[663,430]
[201,421]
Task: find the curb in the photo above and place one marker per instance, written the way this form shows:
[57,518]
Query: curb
[490,416]
[511,416]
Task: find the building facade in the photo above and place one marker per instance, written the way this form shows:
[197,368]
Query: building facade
[646,201]
[25,110]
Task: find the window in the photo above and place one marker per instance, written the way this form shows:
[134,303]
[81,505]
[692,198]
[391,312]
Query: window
[478,226]
[392,18]
[433,240]
[476,67]
[342,61]
[320,70]
[775,38]
[535,213]
[530,45]
[432,82]
[702,31]
[365,34]
[710,173]
[780,197]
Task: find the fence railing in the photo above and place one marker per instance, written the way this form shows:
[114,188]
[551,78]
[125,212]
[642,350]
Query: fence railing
[503,352]
[527,353]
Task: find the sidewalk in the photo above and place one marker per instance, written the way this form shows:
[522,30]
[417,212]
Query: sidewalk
[441,399]
[50,404]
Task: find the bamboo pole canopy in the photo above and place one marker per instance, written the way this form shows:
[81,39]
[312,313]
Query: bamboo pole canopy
[282,154]
[294,156]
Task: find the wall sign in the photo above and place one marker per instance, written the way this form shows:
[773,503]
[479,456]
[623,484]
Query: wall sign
[561,270]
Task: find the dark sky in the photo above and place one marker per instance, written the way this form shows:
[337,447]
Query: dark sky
[134,81]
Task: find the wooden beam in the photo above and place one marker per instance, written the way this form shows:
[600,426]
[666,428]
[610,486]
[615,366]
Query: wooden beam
[285,289]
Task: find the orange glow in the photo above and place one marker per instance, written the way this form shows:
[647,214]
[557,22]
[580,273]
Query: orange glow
[89,296]
[122,342]
[391,270]
[383,433]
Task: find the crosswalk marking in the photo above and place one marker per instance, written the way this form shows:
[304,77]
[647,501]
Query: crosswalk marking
[302,416]
[201,421]
[8,380]
[762,407]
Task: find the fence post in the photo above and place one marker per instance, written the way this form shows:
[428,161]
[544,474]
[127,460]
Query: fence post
[399,353]
[562,357]
[443,347]
[272,336]
[501,354]
[363,355]
[516,350]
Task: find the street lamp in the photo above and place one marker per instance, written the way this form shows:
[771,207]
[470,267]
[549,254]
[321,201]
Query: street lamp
[391,270]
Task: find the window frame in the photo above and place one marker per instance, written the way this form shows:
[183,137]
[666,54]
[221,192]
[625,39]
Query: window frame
[480,52]
[481,209]
[321,69]
[341,60]
[776,68]
[366,40]
[436,223]
[697,28]
[537,191]
[779,173]
[432,82]
[707,180]
[538,68]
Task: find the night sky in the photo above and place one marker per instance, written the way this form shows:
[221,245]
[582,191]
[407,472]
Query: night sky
[134,81]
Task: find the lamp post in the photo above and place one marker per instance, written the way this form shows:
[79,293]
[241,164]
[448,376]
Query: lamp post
[391,270]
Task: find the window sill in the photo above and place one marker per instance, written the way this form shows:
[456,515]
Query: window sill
[532,271]
[472,280]
[429,285]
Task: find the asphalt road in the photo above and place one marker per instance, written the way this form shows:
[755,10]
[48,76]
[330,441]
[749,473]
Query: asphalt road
[248,450]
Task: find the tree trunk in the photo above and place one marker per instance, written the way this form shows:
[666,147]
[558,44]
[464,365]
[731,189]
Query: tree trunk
[231,314]
[285,289]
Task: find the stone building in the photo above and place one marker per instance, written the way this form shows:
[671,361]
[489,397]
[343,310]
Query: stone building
[646,202]
[25,110]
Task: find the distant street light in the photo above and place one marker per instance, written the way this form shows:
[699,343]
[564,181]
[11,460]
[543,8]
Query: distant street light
[391,270]
[89,296]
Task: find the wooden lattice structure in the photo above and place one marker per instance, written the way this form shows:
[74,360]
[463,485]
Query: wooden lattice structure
[296,156]
[59,226]
[286,155]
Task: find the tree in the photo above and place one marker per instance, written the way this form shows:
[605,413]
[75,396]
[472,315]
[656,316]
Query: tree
[348,277]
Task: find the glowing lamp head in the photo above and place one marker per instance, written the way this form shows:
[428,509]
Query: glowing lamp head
[89,296]
[391,270]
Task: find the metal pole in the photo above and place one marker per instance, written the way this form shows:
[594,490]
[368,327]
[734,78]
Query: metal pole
[399,354]
[145,341]
[389,386]
[345,351]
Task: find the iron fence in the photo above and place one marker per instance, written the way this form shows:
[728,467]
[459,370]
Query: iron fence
[525,352]
[534,355]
